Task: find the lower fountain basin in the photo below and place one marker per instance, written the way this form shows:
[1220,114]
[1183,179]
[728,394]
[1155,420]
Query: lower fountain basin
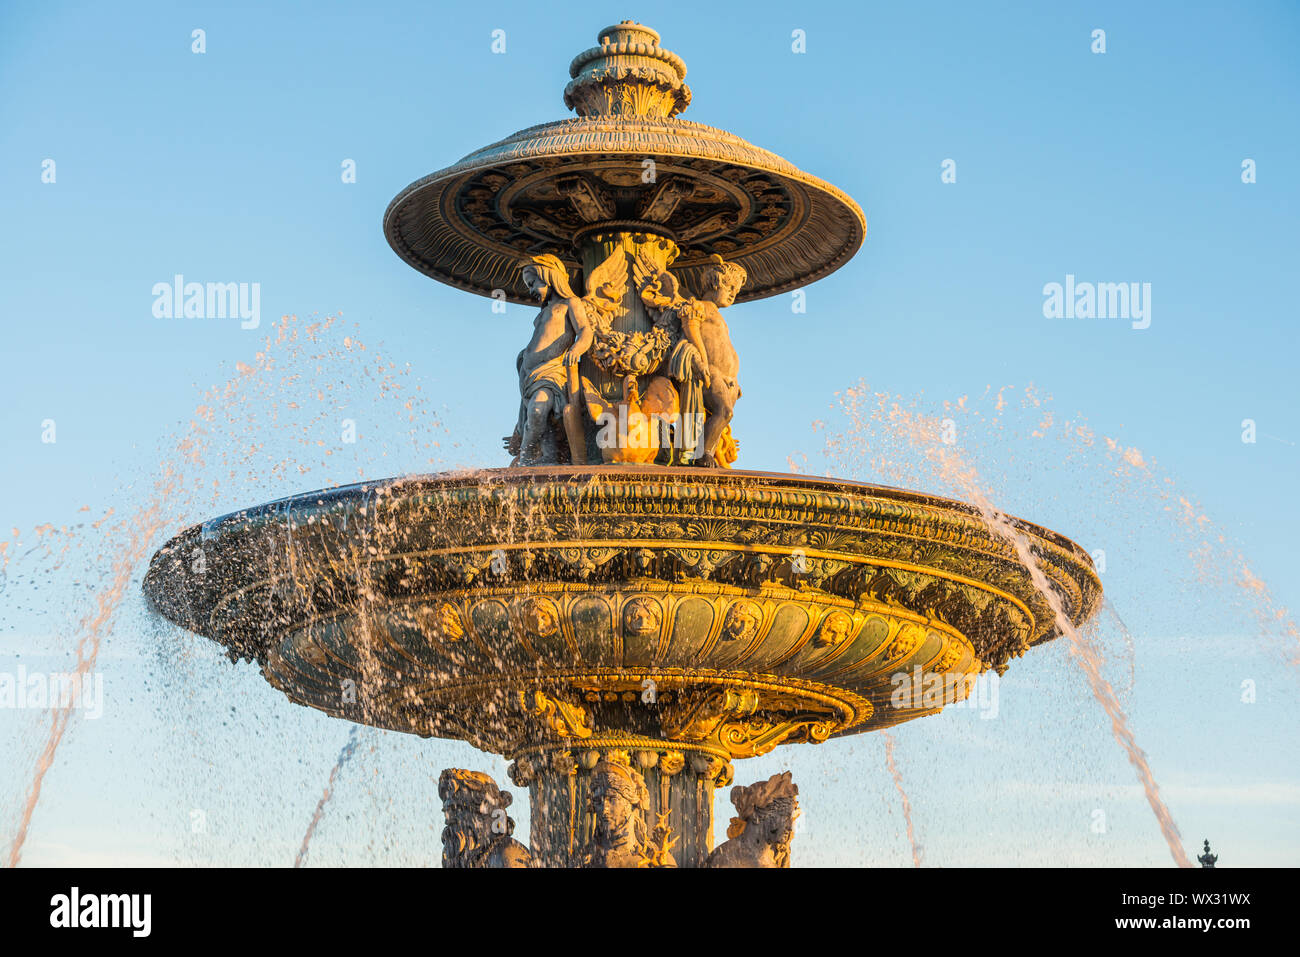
[725,611]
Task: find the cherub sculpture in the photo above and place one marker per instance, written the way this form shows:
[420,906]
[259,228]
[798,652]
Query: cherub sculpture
[703,362]
[549,387]
[760,834]
[478,830]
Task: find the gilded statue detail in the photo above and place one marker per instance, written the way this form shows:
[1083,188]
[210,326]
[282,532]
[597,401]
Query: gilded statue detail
[619,801]
[703,361]
[679,375]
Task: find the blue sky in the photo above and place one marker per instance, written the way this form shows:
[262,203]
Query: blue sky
[1115,167]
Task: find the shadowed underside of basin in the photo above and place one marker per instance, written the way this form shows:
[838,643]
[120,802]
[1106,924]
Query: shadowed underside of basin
[724,611]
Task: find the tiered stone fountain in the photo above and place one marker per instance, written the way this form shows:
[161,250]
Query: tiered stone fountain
[621,613]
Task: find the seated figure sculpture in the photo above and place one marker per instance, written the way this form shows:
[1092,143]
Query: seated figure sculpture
[703,362]
[478,831]
[761,832]
[549,389]
[561,334]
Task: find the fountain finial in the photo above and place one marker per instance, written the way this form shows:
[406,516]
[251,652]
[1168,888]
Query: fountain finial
[629,74]
[1207,859]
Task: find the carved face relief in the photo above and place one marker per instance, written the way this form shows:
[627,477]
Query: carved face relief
[473,809]
[835,629]
[468,829]
[641,617]
[643,560]
[909,639]
[742,621]
[951,655]
[537,286]
[671,762]
[444,622]
[540,617]
[612,810]
[722,284]
[728,287]
[617,797]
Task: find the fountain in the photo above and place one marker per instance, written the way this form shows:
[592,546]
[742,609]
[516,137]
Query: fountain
[621,613]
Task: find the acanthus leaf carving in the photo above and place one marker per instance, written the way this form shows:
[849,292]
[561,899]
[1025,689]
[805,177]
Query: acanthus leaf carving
[560,717]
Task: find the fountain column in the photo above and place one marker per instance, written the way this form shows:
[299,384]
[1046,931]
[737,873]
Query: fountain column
[679,784]
[594,247]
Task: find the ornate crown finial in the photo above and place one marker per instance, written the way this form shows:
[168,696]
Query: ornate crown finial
[629,74]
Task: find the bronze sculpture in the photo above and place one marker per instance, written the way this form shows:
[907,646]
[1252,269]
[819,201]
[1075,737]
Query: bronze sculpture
[562,333]
[478,830]
[687,362]
[760,833]
[702,361]
[619,801]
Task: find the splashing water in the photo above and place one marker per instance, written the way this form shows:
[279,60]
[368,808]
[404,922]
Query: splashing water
[139,532]
[298,356]
[216,462]
[1008,431]
[354,738]
[925,435]
[902,794]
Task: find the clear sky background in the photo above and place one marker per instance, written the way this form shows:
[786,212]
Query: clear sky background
[1117,167]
